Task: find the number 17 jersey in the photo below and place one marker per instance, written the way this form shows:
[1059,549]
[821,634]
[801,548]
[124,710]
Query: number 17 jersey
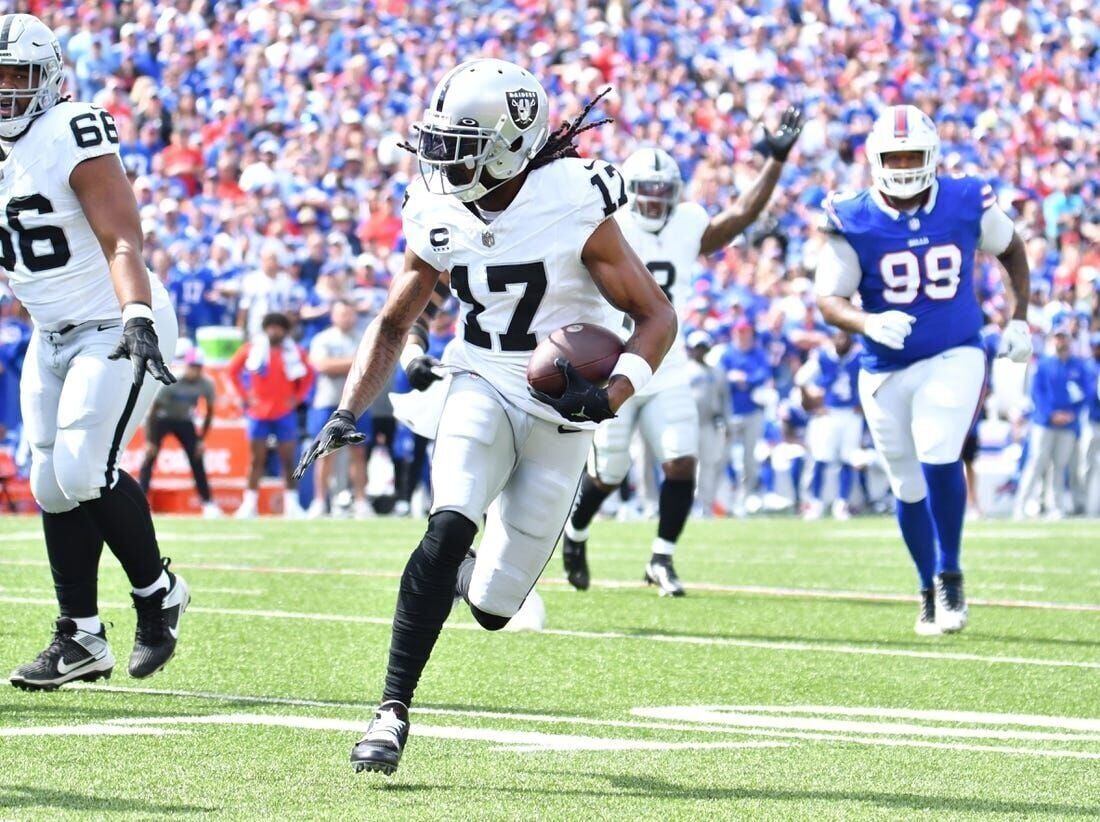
[921,263]
[518,277]
[53,260]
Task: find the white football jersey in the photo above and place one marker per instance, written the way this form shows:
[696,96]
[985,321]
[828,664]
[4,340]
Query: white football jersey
[519,277]
[671,254]
[49,252]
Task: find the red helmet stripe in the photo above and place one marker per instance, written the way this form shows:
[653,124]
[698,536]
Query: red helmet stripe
[901,122]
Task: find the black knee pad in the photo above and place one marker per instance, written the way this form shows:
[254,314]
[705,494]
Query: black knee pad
[449,535]
[490,622]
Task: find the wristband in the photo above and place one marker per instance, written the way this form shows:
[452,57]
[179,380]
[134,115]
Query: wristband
[344,414]
[635,369]
[409,353]
[134,311]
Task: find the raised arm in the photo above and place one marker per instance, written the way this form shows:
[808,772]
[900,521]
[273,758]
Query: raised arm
[723,228]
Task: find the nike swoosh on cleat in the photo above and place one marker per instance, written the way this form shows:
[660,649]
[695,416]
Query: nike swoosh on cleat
[174,616]
[63,669]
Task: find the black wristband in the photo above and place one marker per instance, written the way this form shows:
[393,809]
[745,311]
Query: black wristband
[345,415]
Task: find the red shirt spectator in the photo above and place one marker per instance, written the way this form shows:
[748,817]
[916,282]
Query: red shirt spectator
[268,393]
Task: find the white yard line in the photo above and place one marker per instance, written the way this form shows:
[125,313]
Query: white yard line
[756,590]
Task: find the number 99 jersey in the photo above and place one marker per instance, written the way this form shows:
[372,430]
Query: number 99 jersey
[520,276]
[671,255]
[920,263]
[53,260]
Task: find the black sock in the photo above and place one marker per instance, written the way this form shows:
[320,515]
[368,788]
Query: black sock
[592,497]
[74,545]
[123,517]
[424,600]
[675,505]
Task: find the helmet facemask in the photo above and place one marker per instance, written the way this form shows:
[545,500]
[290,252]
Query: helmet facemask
[42,91]
[652,201]
[904,183]
[452,158]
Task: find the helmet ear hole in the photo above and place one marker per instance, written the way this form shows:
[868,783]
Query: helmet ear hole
[516,144]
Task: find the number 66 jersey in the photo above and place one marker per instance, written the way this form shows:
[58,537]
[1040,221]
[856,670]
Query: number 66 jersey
[920,263]
[54,263]
[518,276]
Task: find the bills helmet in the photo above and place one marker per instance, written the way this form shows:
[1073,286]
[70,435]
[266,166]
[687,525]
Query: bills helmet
[486,120]
[903,128]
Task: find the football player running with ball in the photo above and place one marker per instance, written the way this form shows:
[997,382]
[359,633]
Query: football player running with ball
[669,236]
[517,223]
[907,246]
[70,244]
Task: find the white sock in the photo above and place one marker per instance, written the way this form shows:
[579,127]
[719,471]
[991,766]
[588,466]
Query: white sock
[90,624]
[664,547]
[250,497]
[149,590]
[574,534]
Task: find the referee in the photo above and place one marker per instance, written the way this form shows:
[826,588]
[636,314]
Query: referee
[172,414]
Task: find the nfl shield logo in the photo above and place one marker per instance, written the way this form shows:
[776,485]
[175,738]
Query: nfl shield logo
[487,239]
[914,224]
[523,107]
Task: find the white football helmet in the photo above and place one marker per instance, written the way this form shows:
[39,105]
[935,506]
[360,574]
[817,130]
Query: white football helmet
[903,128]
[27,41]
[485,115]
[653,186]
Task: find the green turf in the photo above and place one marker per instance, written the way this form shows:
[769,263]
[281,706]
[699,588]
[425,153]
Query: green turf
[289,625]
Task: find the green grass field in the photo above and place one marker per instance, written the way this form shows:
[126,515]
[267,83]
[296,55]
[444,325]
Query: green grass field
[791,686]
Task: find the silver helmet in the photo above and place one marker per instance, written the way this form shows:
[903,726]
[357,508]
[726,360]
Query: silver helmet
[485,115]
[27,42]
[653,185]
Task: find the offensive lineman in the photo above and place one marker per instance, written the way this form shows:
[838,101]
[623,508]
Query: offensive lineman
[519,224]
[669,236]
[907,245]
[70,244]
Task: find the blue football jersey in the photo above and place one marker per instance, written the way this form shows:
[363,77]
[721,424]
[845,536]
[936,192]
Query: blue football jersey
[920,263]
[838,376]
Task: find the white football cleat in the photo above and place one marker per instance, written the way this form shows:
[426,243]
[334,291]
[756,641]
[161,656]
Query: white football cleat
[841,511]
[210,510]
[951,611]
[926,617]
[531,615]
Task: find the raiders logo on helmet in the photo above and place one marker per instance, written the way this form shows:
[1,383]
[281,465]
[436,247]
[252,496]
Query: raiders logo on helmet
[523,107]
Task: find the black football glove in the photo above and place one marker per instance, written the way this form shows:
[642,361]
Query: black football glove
[338,432]
[581,401]
[790,126]
[421,372]
[139,343]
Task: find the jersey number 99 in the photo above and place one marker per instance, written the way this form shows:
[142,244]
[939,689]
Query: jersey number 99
[901,273]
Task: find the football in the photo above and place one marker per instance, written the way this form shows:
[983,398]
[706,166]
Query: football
[591,349]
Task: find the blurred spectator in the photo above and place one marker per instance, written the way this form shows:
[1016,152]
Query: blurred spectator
[267,290]
[273,377]
[746,370]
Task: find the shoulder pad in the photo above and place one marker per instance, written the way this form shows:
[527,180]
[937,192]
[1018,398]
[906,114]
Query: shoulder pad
[832,208]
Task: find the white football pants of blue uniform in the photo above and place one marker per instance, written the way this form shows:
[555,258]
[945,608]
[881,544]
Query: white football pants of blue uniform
[1090,447]
[922,413]
[712,462]
[835,435]
[745,430]
[492,458]
[668,422]
[1049,454]
[80,409]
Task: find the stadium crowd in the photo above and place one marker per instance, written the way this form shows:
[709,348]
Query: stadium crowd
[262,139]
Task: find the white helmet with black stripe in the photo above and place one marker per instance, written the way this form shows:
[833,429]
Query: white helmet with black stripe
[486,120]
[653,186]
[27,42]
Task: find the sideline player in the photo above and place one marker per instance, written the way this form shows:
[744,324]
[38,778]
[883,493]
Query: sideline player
[70,242]
[907,245]
[519,222]
[828,382]
[669,236]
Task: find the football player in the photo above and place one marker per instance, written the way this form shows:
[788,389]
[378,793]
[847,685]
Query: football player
[70,243]
[828,380]
[907,246]
[517,223]
[669,235]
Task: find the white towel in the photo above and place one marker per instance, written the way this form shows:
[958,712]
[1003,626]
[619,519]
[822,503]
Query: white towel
[260,354]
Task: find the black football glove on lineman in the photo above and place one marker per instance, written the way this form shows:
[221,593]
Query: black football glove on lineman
[790,126]
[338,432]
[421,372]
[139,343]
[581,401]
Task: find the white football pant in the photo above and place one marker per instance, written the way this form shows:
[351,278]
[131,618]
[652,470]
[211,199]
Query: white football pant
[922,413]
[493,458]
[835,435]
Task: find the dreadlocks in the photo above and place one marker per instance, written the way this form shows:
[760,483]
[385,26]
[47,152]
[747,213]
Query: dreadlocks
[560,143]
